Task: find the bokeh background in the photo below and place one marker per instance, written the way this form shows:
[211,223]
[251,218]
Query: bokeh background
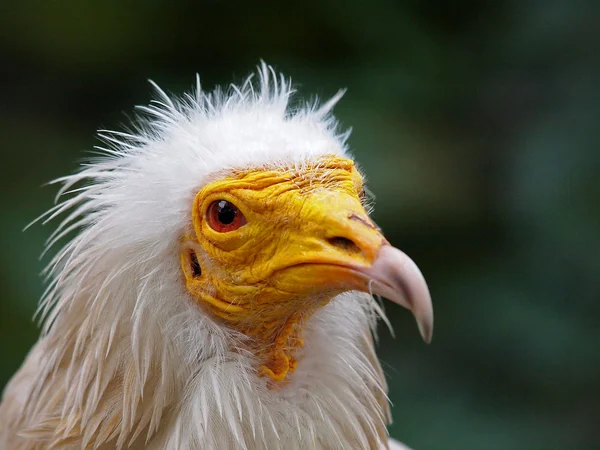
[476,122]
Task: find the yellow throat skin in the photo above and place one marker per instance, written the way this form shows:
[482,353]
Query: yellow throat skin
[304,234]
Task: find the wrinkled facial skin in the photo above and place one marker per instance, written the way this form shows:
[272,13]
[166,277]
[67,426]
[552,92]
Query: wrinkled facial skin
[306,238]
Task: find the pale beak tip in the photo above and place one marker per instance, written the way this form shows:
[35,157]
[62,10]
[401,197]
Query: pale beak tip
[401,281]
[426,330]
[424,316]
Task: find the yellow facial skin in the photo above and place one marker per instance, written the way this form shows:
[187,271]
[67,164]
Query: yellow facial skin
[305,229]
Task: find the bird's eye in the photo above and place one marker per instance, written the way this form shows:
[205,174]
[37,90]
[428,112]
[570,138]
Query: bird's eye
[224,216]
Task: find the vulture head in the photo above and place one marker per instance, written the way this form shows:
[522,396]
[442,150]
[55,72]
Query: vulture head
[217,287]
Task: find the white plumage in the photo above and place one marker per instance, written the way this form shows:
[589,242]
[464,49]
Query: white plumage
[126,360]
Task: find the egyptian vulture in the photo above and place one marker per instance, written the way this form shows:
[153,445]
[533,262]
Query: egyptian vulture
[217,288]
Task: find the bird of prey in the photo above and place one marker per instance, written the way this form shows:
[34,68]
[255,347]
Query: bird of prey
[216,287]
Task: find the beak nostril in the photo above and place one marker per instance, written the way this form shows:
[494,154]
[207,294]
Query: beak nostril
[344,244]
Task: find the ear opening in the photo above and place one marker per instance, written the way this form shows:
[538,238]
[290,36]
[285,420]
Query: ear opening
[190,265]
[194,264]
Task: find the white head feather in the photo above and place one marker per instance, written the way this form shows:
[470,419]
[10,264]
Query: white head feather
[140,365]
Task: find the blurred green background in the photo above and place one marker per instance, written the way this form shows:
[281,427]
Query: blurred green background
[476,122]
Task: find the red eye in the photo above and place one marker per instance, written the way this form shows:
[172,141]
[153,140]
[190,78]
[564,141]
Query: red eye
[223,216]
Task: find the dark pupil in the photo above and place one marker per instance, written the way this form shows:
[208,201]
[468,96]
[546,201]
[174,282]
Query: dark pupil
[226,212]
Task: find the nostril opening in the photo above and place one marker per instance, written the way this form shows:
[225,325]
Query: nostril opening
[344,244]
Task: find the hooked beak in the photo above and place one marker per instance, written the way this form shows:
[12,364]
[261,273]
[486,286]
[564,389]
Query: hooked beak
[346,251]
[396,277]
